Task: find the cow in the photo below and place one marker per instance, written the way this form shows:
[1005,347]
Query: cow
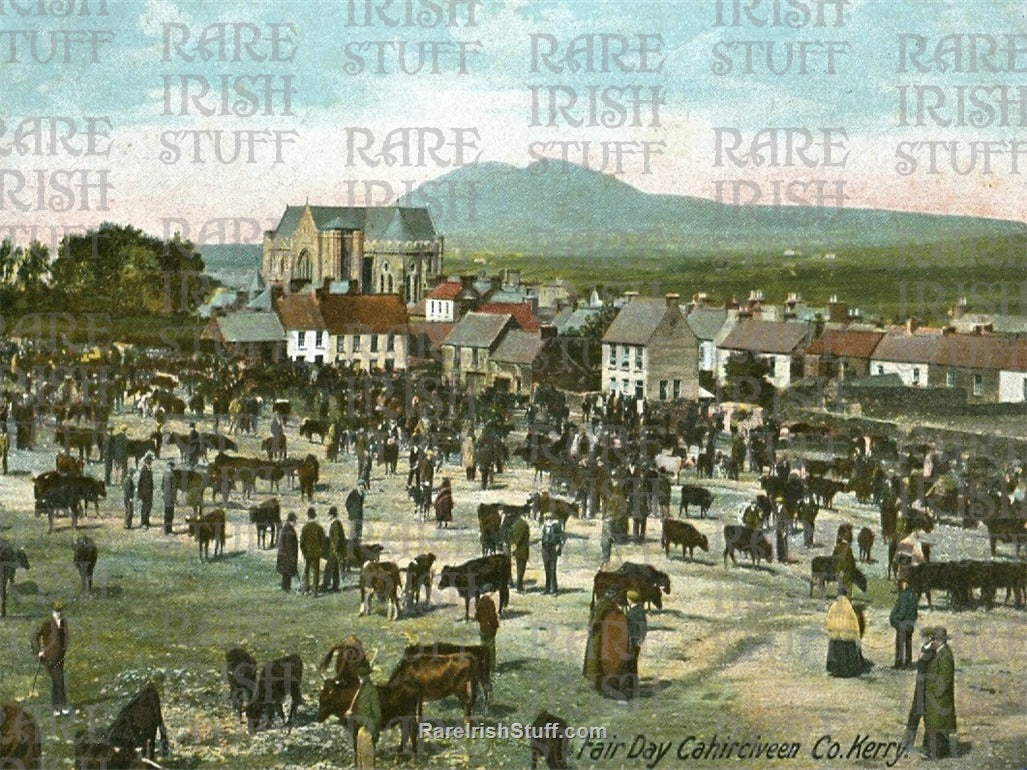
[90,490]
[1009,530]
[138,722]
[549,741]
[66,465]
[682,532]
[308,473]
[824,489]
[746,540]
[398,704]
[672,464]
[380,579]
[822,571]
[279,678]
[241,673]
[483,667]
[206,528]
[275,449]
[85,555]
[137,448]
[695,495]
[865,541]
[310,428]
[419,574]
[10,559]
[477,576]
[489,520]
[267,516]
[437,677]
[361,553]
[94,753]
[649,582]
[53,492]
[545,503]
[20,743]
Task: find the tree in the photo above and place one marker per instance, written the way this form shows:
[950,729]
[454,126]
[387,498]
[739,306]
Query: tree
[747,379]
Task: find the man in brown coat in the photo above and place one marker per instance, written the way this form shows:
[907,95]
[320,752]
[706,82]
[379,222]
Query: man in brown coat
[51,644]
[488,625]
[313,544]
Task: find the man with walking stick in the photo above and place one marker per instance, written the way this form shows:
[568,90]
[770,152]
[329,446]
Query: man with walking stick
[51,644]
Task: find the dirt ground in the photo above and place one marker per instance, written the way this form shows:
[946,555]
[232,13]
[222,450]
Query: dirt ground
[737,654]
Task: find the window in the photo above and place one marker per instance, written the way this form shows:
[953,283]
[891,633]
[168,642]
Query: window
[950,379]
[639,389]
[625,357]
[880,370]
[638,358]
[301,339]
[677,389]
[613,355]
[663,390]
[1025,388]
[625,386]
[978,384]
[916,375]
[319,338]
[474,358]
[356,343]
[390,342]
[374,343]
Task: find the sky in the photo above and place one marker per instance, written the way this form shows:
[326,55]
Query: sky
[112,111]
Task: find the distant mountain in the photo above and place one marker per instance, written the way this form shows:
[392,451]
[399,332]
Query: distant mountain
[231,263]
[555,209]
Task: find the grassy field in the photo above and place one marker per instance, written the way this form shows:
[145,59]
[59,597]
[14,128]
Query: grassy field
[737,651]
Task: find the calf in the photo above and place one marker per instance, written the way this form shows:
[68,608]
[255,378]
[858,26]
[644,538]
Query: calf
[20,743]
[138,722]
[380,579]
[483,665]
[866,543]
[279,678]
[675,532]
[549,741]
[437,677]
[360,554]
[419,573]
[695,495]
[478,576]
[824,490]
[746,540]
[267,516]
[85,555]
[822,571]
[206,528]
[310,428]
[398,704]
[241,673]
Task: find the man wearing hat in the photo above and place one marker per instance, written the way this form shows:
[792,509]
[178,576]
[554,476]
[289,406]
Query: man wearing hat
[355,513]
[903,618]
[934,696]
[119,450]
[553,538]
[169,490]
[336,551]
[128,487]
[51,644]
[313,544]
[144,489]
[288,553]
[638,627]
[107,450]
[520,537]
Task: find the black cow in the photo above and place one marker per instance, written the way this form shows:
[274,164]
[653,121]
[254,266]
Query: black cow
[241,673]
[310,428]
[267,517]
[822,571]
[675,532]
[554,744]
[824,490]
[1008,530]
[138,722]
[10,559]
[695,495]
[280,677]
[85,555]
[478,576]
[746,540]
[95,753]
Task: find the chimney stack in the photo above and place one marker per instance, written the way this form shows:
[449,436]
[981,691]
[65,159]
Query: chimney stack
[912,324]
[629,295]
[547,331]
[672,298]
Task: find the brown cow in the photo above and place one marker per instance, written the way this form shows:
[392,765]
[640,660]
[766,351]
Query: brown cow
[483,672]
[207,527]
[682,532]
[380,579]
[437,677]
[419,573]
[20,742]
[620,584]
[308,473]
[866,543]
[398,704]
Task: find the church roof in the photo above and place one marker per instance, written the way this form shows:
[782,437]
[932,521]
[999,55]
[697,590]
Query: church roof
[385,223]
[261,302]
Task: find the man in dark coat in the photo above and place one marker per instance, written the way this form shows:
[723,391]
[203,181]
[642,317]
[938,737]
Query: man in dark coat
[119,451]
[934,696]
[128,488]
[5,445]
[144,488]
[903,618]
[638,628]
[355,514]
[288,553]
[553,539]
[169,491]
[336,551]
[51,644]
[313,544]
[520,536]
[107,450]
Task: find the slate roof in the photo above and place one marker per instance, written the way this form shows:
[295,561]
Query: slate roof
[518,347]
[758,336]
[1000,323]
[478,330]
[570,320]
[706,321]
[246,327]
[637,321]
[900,346]
[260,302]
[363,314]
[845,343]
[521,312]
[388,223]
